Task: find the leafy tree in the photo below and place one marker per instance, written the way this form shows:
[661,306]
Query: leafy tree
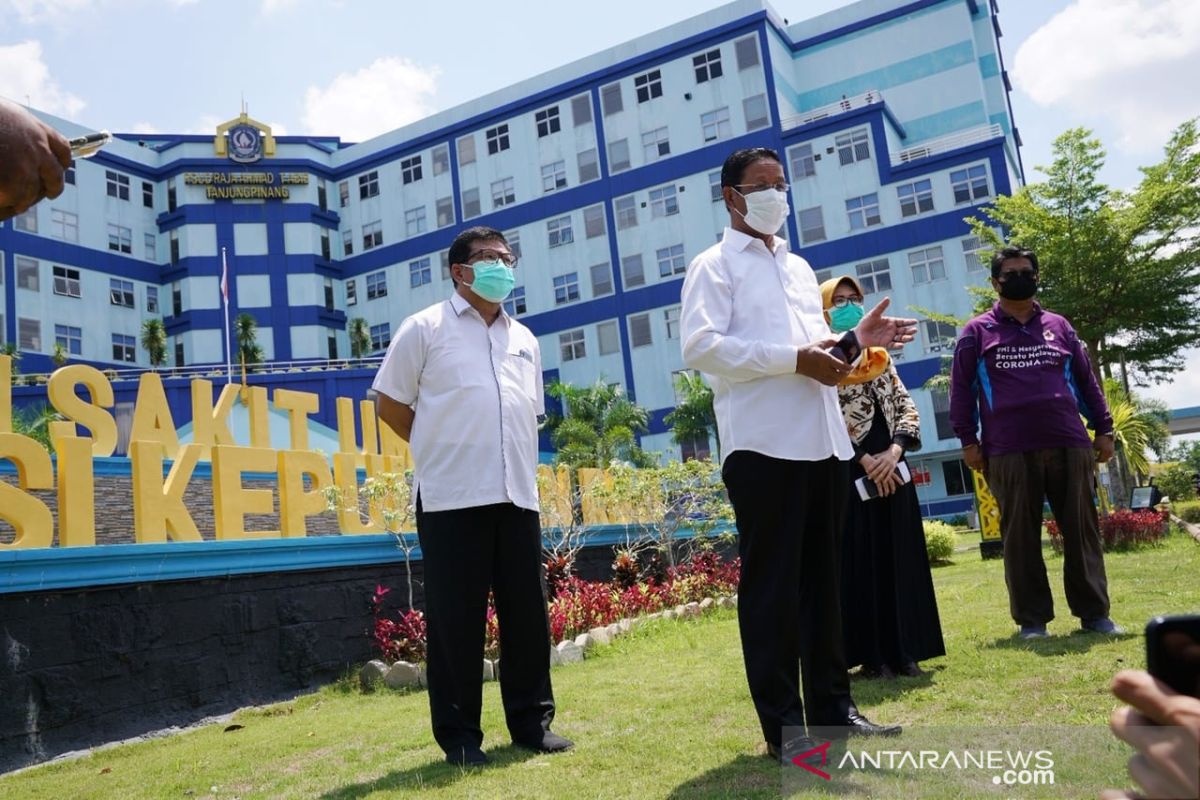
[360,337]
[59,356]
[1187,453]
[600,426]
[1124,267]
[11,350]
[34,422]
[1176,483]
[693,418]
[245,328]
[154,341]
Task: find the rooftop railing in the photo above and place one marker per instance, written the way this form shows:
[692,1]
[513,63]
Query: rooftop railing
[833,109]
[944,144]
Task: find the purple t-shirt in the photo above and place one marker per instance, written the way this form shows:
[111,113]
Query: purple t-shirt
[1025,385]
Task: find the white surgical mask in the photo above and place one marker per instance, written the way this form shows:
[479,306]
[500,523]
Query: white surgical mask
[766,210]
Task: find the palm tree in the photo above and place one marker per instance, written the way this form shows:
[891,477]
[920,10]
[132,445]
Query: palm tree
[246,329]
[154,341]
[34,422]
[1137,426]
[59,356]
[360,337]
[693,418]
[600,426]
[11,350]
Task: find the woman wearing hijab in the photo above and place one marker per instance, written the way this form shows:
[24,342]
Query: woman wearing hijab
[889,611]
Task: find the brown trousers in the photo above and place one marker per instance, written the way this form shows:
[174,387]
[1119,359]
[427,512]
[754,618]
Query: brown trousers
[1064,477]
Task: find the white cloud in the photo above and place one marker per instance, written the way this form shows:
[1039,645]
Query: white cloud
[32,12]
[389,93]
[1127,62]
[24,77]
[144,127]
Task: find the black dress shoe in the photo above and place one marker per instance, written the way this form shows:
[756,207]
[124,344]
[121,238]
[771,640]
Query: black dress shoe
[877,671]
[469,756]
[792,748]
[548,742]
[910,670]
[859,725]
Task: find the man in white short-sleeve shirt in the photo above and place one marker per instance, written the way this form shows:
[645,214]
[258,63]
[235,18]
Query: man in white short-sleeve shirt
[462,383]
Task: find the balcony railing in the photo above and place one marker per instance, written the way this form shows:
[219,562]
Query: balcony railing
[944,144]
[833,109]
[217,373]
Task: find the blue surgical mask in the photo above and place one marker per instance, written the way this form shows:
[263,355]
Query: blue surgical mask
[493,280]
[845,318]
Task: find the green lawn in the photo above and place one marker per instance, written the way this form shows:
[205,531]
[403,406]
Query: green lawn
[663,712]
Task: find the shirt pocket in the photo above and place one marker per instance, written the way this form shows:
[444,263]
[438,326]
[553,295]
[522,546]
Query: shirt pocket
[518,372]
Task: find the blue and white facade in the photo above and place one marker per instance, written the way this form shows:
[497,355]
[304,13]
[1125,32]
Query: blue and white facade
[893,119]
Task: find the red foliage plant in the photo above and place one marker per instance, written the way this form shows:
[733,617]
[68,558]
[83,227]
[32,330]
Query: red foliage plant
[1121,530]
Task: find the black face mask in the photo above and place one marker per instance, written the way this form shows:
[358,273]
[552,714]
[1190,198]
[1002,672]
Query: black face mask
[1018,286]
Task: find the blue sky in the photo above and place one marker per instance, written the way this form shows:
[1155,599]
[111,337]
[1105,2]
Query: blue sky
[360,68]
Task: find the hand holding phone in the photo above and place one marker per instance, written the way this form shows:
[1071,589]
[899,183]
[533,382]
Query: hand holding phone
[1173,652]
[87,146]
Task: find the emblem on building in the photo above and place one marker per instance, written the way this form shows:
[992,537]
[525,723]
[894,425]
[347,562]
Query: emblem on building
[244,140]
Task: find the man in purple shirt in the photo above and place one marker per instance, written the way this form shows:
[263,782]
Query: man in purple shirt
[1021,375]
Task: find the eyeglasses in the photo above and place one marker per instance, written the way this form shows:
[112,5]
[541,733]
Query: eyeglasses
[1025,272]
[762,187]
[842,302]
[508,259]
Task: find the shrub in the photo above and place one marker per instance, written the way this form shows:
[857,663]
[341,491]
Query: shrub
[939,540]
[402,639]
[1176,483]
[1188,512]
[1122,530]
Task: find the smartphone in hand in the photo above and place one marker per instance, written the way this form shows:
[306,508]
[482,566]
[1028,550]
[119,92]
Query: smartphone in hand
[87,146]
[1173,652]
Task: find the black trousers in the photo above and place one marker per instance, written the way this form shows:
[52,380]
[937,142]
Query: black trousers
[466,552]
[789,519]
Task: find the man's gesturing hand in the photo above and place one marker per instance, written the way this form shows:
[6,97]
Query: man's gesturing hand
[876,330]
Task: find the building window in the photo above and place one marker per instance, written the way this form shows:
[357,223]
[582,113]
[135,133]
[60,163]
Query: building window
[151,299]
[376,285]
[581,109]
[124,348]
[863,211]
[823,275]
[147,194]
[941,416]
[915,198]
[441,159]
[955,472]
[410,169]
[466,150]
[663,202]
[571,345]
[558,231]
[746,51]
[852,146]
[322,196]
[566,288]
[626,211]
[648,86]
[875,276]
[328,294]
[29,334]
[69,175]
[497,139]
[343,194]
[714,186]
[176,298]
[610,99]
[514,242]
[351,293]
[70,337]
[419,273]
[368,185]
[939,336]
[179,351]
[639,330]
[326,248]
[347,243]
[593,221]
[65,226]
[618,155]
[26,222]
[671,318]
[66,281]
[444,257]
[150,243]
[173,244]
[414,221]
[755,109]
[515,304]
[803,164]
[632,271]
[608,338]
[120,293]
[120,239]
[547,121]
[927,264]
[715,125]
[812,225]
[470,203]
[655,144]
[372,234]
[969,184]
[554,176]
[503,193]
[589,165]
[974,253]
[381,336]
[116,184]
[601,279]
[707,65]
[670,261]
[331,345]
[445,211]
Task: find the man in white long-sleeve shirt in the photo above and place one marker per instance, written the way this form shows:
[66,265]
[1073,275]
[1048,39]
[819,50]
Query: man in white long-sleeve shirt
[752,322]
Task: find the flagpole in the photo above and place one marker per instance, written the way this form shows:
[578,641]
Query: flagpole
[228,337]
